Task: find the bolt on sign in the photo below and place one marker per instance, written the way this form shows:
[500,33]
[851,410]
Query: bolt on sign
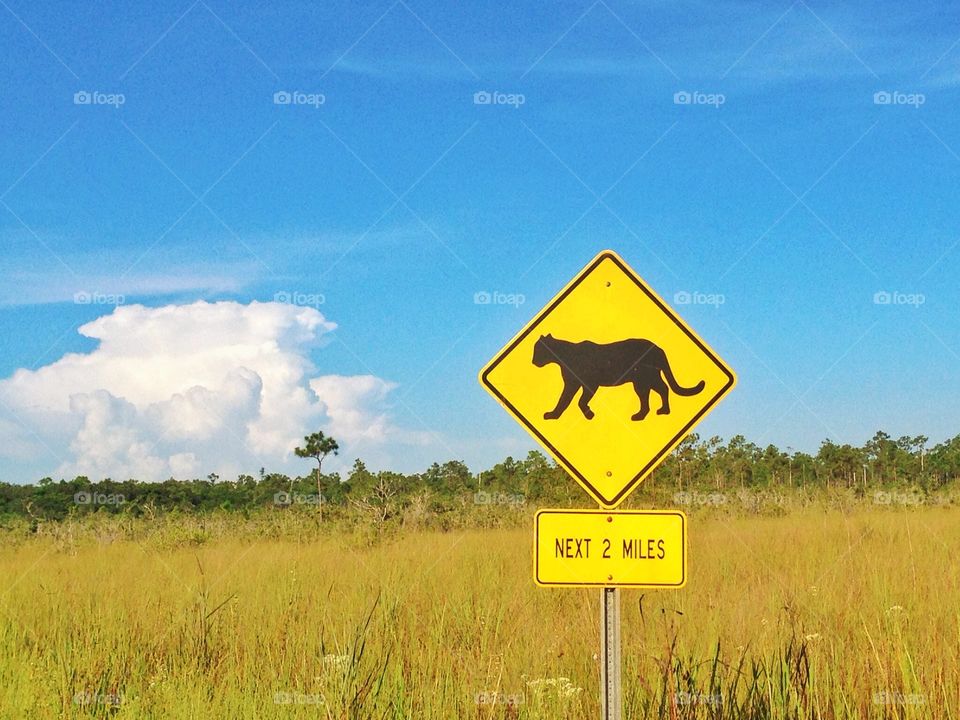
[608,378]
[596,548]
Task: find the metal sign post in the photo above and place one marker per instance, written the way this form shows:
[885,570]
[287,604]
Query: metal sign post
[611,697]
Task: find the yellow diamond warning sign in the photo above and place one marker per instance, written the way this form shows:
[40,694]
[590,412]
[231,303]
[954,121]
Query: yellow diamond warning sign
[608,378]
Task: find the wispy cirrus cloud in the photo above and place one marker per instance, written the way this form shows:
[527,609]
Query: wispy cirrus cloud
[395,68]
[26,287]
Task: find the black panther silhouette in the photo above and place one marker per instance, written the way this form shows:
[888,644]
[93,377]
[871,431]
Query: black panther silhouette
[588,365]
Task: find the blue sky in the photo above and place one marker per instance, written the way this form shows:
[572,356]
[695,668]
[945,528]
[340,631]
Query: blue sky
[785,187]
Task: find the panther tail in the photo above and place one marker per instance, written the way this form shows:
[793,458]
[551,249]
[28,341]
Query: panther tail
[677,387]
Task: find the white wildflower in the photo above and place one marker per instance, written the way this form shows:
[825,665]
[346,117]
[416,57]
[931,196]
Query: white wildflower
[336,661]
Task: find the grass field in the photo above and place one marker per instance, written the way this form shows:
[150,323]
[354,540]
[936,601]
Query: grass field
[813,614]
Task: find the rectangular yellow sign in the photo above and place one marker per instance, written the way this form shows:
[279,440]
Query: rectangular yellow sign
[603,548]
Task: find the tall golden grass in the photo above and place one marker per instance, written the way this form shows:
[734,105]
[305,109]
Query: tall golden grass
[809,615]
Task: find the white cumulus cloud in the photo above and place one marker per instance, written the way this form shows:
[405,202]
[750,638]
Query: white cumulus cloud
[184,390]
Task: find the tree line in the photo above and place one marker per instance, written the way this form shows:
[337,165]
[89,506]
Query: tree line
[696,465]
